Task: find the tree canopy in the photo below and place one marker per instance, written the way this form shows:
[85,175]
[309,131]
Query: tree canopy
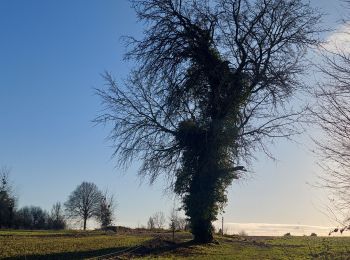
[84,202]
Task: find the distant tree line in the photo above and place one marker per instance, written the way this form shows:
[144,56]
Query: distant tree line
[85,202]
[28,217]
[33,217]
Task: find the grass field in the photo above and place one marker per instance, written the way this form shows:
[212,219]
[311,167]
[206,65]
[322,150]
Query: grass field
[80,245]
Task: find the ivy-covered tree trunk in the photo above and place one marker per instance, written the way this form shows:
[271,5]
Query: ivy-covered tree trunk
[204,176]
[199,208]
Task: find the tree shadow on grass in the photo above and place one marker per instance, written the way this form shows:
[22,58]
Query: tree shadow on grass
[160,246]
[72,255]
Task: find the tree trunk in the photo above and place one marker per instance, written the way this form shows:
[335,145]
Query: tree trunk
[85,223]
[203,184]
[202,230]
[201,208]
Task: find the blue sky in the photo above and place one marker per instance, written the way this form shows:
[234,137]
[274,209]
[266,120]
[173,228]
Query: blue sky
[51,56]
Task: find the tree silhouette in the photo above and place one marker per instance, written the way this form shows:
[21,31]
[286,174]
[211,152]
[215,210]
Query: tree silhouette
[331,114]
[56,218]
[211,83]
[7,199]
[84,202]
[106,210]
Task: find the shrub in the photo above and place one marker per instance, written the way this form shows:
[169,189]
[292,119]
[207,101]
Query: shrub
[242,233]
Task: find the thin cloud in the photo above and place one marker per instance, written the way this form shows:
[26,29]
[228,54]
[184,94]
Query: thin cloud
[339,40]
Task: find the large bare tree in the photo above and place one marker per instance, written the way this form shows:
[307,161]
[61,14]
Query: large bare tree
[211,83]
[332,114]
[84,202]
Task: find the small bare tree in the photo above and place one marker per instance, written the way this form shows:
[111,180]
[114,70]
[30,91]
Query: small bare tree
[173,222]
[159,219]
[150,223]
[177,222]
[84,202]
[56,218]
[106,210]
[7,199]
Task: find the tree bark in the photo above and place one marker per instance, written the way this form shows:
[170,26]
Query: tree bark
[200,216]
[84,223]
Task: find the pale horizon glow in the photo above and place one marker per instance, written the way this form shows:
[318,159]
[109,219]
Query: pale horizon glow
[268,229]
[251,229]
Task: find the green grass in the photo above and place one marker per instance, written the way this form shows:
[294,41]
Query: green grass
[39,232]
[79,245]
[63,244]
[265,248]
